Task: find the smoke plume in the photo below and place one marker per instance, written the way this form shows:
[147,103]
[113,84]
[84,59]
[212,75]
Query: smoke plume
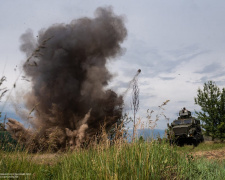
[69,100]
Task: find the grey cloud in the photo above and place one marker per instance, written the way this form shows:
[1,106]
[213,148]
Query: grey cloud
[120,84]
[167,78]
[213,67]
[202,80]
[145,96]
[152,61]
[168,66]
[220,74]
[221,83]
[184,51]
[182,102]
[213,77]
[192,56]
[143,55]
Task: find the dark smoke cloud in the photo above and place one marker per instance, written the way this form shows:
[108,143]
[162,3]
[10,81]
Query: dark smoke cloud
[67,69]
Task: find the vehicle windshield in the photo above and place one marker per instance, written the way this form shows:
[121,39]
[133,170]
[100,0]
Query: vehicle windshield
[188,121]
[177,122]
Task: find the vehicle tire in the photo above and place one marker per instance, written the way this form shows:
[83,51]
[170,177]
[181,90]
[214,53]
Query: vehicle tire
[195,143]
[202,139]
[171,142]
[180,143]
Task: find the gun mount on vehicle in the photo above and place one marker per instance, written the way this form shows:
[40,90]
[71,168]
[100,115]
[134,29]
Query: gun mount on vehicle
[185,130]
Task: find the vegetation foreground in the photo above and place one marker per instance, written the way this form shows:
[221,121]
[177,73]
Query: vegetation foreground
[139,160]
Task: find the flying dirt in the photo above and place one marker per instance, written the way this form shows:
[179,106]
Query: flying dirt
[69,100]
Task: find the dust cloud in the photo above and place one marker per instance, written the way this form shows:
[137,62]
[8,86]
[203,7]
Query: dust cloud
[66,65]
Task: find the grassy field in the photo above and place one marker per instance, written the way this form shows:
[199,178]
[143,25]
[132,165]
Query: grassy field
[139,160]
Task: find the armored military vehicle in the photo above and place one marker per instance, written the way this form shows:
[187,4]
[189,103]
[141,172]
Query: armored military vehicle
[185,130]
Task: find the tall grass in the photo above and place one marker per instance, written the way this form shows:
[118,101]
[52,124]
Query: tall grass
[154,159]
[138,160]
[206,146]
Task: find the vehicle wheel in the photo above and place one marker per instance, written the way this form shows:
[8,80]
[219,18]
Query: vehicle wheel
[202,139]
[181,144]
[195,143]
[171,142]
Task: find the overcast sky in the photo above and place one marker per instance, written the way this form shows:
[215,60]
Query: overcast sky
[178,45]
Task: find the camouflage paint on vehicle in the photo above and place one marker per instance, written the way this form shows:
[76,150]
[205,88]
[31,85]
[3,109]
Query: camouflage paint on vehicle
[185,130]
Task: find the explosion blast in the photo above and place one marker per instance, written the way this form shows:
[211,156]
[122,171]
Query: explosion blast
[67,69]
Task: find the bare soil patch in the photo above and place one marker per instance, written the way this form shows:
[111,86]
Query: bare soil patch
[212,154]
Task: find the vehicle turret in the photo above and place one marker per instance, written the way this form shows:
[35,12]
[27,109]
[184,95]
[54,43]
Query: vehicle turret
[184,113]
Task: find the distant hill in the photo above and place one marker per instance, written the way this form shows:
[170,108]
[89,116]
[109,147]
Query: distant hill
[9,115]
[146,133]
[2,127]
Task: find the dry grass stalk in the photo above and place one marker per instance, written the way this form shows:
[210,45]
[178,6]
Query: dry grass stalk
[153,123]
[36,53]
[4,90]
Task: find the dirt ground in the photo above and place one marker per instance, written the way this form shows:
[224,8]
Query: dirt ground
[212,154]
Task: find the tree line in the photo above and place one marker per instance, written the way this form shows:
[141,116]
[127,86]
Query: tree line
[212,101]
